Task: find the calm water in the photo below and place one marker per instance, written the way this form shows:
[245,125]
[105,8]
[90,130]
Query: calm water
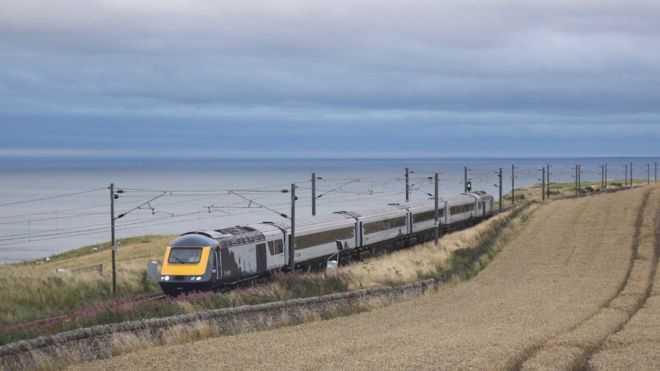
[175,196]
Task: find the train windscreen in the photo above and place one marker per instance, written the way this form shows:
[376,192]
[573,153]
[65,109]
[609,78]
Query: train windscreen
[185,256]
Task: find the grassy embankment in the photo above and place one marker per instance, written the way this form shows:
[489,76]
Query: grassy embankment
[34,290]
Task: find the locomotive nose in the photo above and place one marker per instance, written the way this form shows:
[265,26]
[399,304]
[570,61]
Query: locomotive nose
[186,265]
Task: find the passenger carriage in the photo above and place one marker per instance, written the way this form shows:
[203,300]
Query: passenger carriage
[209,259]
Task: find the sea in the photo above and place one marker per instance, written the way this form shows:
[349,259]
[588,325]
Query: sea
[50,205]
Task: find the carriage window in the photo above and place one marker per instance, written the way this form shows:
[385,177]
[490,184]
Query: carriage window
[315,239]
[382,225]
[429,215]
[461,209]
[275,247]
[421,217]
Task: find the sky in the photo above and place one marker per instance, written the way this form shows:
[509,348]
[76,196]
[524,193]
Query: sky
[337,79]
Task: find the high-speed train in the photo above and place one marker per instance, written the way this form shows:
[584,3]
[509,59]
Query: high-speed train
[210,259]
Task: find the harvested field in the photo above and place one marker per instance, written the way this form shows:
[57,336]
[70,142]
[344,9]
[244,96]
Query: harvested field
[637,345]
[572,258]
[589,335]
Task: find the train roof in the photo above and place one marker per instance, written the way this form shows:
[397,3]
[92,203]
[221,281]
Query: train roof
[451,200]
[193,240]
[367,212]
[312,221]
[231,236]
[240,235]
[460,199]
[268,229]
[482,194]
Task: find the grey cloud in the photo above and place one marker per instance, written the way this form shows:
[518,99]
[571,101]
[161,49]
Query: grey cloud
[511,65]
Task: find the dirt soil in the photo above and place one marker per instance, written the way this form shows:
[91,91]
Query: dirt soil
[571,260]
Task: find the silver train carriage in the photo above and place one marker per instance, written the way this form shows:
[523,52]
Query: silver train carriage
[209,259]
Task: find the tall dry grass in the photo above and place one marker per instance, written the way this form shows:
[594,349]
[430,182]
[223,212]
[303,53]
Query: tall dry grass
[282,287]
[440,261]
[34,290]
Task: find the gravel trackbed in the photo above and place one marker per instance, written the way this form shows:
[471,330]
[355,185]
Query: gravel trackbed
[563,282]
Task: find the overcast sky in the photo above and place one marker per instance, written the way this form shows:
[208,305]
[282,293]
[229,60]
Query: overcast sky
[329,78]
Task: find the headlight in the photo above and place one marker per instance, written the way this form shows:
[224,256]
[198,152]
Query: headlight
[165,278]
[199,278]
[196,278]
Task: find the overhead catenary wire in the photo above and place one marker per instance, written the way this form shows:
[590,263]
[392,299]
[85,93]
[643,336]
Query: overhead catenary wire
[56,217]
[261,205]
[271,188]
[95,229]
[56,211]
[51,197]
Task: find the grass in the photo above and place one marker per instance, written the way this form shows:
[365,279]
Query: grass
[34,290]
[91,249]
[283,287]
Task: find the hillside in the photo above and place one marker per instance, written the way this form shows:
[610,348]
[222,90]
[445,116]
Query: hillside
[37,289]
[557,295]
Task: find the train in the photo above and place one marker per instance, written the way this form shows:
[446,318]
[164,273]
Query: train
[226,257]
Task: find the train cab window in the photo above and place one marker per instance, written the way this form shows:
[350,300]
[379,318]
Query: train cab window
[185,256]
[275,247]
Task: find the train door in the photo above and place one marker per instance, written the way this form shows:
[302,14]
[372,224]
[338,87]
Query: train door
[276,251]
[358,234]
[287,249]
[215,271]
[229,264]
[261,258]
[448,218]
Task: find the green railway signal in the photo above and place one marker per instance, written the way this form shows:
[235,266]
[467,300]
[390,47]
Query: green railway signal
[468,186]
